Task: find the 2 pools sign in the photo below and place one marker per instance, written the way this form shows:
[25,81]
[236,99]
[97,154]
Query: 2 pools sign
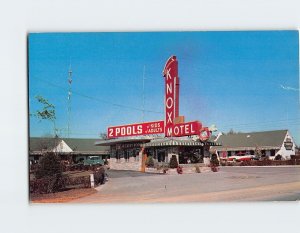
[169,127]
[155,127]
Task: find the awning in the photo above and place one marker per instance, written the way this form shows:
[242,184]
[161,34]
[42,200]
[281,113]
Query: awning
[114,141]
[177,142]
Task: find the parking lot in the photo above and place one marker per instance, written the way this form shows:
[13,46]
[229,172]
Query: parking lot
[230,184]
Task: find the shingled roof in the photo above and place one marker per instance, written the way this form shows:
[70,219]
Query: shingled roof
[249,141]
[76,144]
[40,144]
[84,145]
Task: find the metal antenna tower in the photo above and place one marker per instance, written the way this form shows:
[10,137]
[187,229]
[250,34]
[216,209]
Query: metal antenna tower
[69,98]
[143,108]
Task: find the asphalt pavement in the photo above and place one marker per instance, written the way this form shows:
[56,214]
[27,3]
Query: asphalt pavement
[230,184]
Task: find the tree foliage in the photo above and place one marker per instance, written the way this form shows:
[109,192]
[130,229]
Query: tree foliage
[214,160]
[173,162]
[48,110]
[149,162]
[49,166]
[231,131]
[257,152]
[46,113]
[103,135]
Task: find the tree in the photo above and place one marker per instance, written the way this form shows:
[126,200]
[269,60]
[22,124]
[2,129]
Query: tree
[103,135]
[47,143]
[214,160]
[47,112]
[49,165]
[257,152]
[50,170]
[231,131]
[173,162]
[150,162]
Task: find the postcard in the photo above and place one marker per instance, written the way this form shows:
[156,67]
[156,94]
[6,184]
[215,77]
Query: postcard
[163,117]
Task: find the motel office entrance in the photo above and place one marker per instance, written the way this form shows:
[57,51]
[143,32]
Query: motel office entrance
[185,149]
[184,155]
[127,153]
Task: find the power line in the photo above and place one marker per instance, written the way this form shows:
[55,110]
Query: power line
[263,122]
[256,127]
[100,100]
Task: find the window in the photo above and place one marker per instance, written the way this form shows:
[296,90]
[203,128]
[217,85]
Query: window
[126,156]
[272,152]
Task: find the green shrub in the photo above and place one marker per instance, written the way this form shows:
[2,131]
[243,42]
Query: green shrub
[173,162]
[214,160]
[49,165]
[163,166]
[149,162]
[49,170]
[48,184]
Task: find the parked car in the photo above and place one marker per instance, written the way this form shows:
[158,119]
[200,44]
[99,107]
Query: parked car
[245,158]
[93,160]
[239,157]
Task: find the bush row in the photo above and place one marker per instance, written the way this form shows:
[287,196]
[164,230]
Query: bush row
[263,163]
[60,183]
[47,184]
[80,167]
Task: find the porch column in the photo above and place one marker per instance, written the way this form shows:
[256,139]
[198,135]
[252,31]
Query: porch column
[142,158]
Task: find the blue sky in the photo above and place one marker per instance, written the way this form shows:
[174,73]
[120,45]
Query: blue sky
[246,81]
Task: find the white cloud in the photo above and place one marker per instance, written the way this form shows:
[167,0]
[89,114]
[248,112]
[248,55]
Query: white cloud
[289,88]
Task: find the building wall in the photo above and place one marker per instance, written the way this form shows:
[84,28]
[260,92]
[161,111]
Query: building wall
[286,154]
[133,163]
[62,147]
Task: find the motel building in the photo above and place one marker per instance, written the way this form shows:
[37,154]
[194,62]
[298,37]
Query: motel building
[126,153]
[73,149]
[276,144]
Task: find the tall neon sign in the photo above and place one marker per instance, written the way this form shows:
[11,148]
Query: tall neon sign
[171,126]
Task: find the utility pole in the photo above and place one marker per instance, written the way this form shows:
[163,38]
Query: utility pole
[69,98]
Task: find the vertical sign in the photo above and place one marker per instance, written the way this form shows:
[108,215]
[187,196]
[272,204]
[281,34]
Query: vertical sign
[170,73]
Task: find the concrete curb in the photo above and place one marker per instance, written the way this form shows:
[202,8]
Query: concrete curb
[263,166]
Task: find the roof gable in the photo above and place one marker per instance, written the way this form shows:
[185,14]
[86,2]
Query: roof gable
[62,147]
